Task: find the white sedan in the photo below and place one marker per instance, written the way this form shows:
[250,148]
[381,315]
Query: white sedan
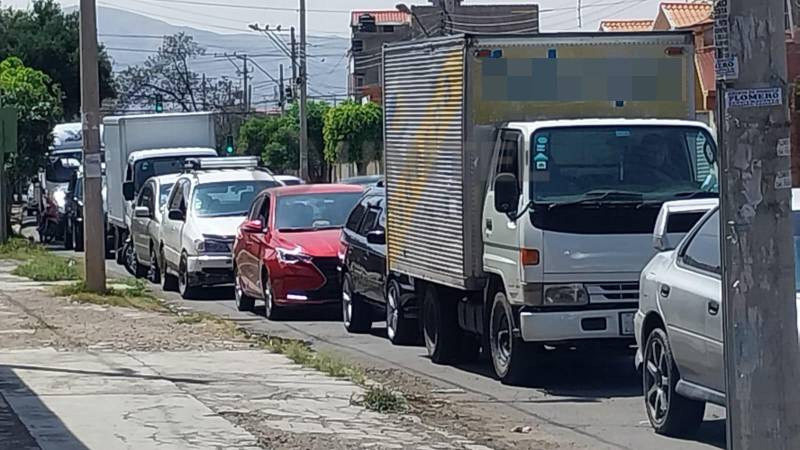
[679,323]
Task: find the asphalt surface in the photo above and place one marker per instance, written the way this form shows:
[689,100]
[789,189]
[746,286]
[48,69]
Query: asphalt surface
[582,400]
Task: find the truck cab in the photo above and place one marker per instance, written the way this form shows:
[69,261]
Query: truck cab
[568,217]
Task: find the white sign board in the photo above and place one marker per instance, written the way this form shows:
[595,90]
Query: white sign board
[753,98]
[727,68]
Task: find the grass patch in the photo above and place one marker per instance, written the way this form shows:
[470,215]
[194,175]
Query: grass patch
[378,398]
[48,267]
[21,249]
[302,353]
[135,297]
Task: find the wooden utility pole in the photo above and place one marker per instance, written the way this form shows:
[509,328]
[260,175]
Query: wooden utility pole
[94,228]
[303,82]
[762,357]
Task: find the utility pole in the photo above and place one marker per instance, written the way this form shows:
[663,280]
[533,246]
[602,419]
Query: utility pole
[303,81]
[282,92]
[293,84]
[762,358]
[95,260]
[205,94]
[580,15]
[246,93]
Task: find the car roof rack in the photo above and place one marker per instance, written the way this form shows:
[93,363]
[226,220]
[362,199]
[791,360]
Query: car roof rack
[234,162]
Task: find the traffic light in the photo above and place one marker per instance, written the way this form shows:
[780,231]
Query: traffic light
[159,103]
[288,94]
[229,148]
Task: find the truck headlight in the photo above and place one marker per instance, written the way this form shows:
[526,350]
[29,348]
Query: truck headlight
[199,245]
[292,256]
[565,295]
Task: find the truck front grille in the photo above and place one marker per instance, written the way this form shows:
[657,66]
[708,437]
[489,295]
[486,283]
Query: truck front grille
[613,292]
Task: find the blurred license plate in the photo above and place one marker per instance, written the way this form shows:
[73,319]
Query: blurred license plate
[626,323]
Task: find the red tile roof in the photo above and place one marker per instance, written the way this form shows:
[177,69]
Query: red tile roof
[626,25]
[683,15]
[387,17]
[704,60]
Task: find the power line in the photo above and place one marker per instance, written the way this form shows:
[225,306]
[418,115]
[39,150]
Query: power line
[251,7]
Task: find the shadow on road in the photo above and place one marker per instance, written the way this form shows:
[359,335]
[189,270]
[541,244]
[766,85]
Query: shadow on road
[17,399]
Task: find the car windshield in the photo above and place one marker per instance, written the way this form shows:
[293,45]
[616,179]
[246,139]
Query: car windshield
[227,198]
[58,169]
[314,211]
[607,163]
[163,194]
[149,168]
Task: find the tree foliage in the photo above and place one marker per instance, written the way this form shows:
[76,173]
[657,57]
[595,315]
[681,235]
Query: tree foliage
[167,73]
[38,104]
[47,39]
[277,140]
[351,130]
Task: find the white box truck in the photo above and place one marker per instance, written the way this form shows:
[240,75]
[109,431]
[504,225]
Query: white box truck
[524,175]
[143,146]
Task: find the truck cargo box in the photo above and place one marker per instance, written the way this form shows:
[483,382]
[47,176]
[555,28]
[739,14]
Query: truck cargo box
[445,99]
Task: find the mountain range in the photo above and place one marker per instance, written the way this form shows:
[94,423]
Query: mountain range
[130,38]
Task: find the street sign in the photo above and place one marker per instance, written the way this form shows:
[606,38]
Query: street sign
[727,68]
[8,130]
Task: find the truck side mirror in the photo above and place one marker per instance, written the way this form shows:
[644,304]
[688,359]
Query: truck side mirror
[506,193]
[128,191]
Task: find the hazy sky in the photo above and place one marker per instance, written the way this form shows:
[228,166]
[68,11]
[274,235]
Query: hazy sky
[557,15]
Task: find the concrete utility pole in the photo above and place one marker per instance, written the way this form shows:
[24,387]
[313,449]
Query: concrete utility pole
[303,81]
[282,92]
[580,15]
[246,93]
[762,358]
[94,244]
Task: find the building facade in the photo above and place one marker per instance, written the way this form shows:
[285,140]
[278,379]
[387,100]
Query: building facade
[369,31]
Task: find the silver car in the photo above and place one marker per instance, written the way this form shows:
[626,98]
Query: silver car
[679,323]
[148,214]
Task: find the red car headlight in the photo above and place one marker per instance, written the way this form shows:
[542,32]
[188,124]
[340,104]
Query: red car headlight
[292,256]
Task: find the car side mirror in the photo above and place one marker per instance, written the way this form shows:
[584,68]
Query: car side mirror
[677,218]
[506,193]
[253,226]
[177,215]
[376,237]
[142,212]
[128,191]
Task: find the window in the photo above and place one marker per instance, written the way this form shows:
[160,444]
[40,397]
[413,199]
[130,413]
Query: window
[164,194]
[255,208]
[358,46]
[382,221]
[508,156]
[369,221]
[388,28]
[227,198]
[263,213]
[313,211]
[354,220]
[359,81]
[146,198]
[176,200]
[703,250]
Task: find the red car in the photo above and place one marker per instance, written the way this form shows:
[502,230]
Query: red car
[286,250]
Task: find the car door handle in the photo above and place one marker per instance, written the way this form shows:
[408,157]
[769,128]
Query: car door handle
[489,224]
[713,308]
[665,290]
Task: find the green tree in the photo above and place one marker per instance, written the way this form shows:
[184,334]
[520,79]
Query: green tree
[38,104]
[353,133]
[46,38]
[277,140]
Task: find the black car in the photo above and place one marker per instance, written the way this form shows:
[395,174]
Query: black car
[73,216]
[366,180]
[367,293]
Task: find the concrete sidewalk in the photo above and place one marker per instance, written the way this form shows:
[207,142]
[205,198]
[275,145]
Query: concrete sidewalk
[183,400]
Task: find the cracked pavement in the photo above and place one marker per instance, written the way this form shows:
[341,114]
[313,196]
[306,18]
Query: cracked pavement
[86,377]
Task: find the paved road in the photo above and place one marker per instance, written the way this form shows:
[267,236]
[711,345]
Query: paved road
[584,401]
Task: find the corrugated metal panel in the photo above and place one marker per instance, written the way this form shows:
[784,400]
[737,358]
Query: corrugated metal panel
[423,104]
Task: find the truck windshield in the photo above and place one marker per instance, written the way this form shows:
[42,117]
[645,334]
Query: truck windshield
[577,174]
[59,169]
[644,163]
[228,198]
[148,168]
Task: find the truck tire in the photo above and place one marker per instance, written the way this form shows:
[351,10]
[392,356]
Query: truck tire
[512,358]
[440,327]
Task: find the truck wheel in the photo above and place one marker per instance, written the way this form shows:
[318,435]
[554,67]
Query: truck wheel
[170,281]
[69,243]
[185,287]
[440,327]
[670,413]
[512,358]
[399,329]
[356,314]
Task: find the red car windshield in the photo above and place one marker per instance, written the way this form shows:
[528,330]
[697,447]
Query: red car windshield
[314,211]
